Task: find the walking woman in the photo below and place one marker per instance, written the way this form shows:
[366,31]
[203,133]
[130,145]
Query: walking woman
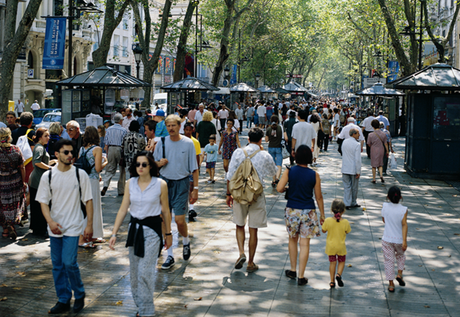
[12,184]
[146,196]
[316,123]
[300,213]
[228,143]
[93,153]
[41,163]
[377,140]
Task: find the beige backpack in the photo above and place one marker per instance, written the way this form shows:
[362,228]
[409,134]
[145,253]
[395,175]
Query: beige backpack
[245,184]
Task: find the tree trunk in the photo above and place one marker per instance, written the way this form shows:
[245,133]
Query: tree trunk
[110,24]
[150,63]
[182,44]
[440,45]
[407,67]
[14,40]
[224,42]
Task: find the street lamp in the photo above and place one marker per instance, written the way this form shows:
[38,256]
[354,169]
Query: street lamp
[227,74]
[257,80]
[137,50]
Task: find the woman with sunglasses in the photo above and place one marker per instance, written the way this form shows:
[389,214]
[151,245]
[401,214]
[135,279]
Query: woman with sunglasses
[146,196]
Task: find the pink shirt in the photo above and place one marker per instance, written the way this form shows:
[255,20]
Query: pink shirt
[191,115]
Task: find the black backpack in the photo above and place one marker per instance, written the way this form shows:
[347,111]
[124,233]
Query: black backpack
[83,163]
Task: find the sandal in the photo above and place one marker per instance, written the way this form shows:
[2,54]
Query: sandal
[391,289]
[87,245]
[373,181]
[400,281]
[100,240]
[381,178]
[12,232]
[332,284]
[273,184]
[338,277]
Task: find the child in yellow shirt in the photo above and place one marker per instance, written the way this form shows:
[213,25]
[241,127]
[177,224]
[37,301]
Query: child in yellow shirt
[337,229]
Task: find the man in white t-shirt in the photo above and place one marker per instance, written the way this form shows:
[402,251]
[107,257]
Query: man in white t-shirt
[199,114]
[303,133]
[262,113]
[223,116]
[35,106]
[66,223]
[19,107]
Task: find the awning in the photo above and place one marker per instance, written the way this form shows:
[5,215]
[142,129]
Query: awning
[189,83]
[379,90]
[103,76]
[222,91]
[434,77]
[266,90]
[294,87]
[242,87]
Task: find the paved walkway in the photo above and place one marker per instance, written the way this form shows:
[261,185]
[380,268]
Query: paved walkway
[208,284]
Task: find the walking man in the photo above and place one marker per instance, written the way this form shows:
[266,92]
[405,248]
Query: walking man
[256,213]
[113,140]
[239,112]
[250,116]
[178,162]
[35,106]
[303,133]
[367,129]
[65,224]
[351,168]
[19,107]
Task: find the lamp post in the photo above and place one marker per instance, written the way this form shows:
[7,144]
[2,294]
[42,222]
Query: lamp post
[257,80]
[137,50]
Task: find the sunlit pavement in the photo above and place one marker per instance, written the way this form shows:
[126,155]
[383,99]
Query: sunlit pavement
[208,284]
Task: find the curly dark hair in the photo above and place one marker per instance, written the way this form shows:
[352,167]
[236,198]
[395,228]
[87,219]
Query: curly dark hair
[91,136]
[152,164]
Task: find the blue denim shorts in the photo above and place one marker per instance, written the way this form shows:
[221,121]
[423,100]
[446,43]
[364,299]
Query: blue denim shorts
[277,154]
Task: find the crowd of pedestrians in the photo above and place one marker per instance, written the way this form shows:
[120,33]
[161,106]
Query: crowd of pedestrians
[158,158]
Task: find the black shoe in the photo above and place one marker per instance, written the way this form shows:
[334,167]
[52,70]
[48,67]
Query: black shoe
[103,191]
[169,263]
[79,304]
[356,206]
[348,207]
[192,213]
[186,252]
[59,308]
[302,281]
[291,274]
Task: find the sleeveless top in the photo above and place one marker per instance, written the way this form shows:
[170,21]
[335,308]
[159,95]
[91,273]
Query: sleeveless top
[393,215]
[145,203]
[302,181]
[91,160]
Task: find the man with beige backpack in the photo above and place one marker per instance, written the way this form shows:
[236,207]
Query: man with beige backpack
[248,167]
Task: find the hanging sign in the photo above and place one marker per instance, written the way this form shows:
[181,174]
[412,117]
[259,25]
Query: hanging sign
[53,52]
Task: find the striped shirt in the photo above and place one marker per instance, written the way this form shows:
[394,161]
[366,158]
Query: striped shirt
[114,135]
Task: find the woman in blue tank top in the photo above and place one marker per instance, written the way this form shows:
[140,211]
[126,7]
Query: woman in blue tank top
[300,213]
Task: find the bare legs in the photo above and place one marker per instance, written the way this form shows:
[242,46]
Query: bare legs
[374,171]
[303,254]
[226,165]
[340,268]
[240,238]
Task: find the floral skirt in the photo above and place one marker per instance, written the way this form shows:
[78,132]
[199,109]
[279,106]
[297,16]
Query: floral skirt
[303,221]
[12,199]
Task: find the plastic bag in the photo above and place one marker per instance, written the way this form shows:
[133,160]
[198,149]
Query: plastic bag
[392,162]
[285,152]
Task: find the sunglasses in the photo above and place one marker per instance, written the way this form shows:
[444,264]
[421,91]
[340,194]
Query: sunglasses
[72,129]
[144,165]
[66,152]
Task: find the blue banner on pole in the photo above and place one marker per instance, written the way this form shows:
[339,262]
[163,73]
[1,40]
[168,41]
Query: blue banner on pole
[53,53]
[234,72]
[393,70]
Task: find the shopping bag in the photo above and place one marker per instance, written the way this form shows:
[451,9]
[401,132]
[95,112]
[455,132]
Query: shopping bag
[392,162]
[284,151]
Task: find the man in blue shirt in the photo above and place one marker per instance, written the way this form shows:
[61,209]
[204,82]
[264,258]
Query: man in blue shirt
[383,119]
[160,130]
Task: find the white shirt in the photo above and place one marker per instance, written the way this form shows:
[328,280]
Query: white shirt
[35,106]
[65,196]
[351,157]
[337,120]
[393,215]
[20,107]
[367,124]
[345,133]
[262,162]
[223,114]
[261,111]
[127,121]
[239,113]
[303,133]
[199,116]
[145,203]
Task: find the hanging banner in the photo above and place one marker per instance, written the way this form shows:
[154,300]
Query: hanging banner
[233,80]
[53,53]
[393,70]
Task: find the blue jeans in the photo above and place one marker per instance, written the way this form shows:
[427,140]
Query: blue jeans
[66,273]
[249,122]
[277,155]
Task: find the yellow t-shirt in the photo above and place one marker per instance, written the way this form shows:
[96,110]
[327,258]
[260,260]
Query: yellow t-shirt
[336,235]
[197,146]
